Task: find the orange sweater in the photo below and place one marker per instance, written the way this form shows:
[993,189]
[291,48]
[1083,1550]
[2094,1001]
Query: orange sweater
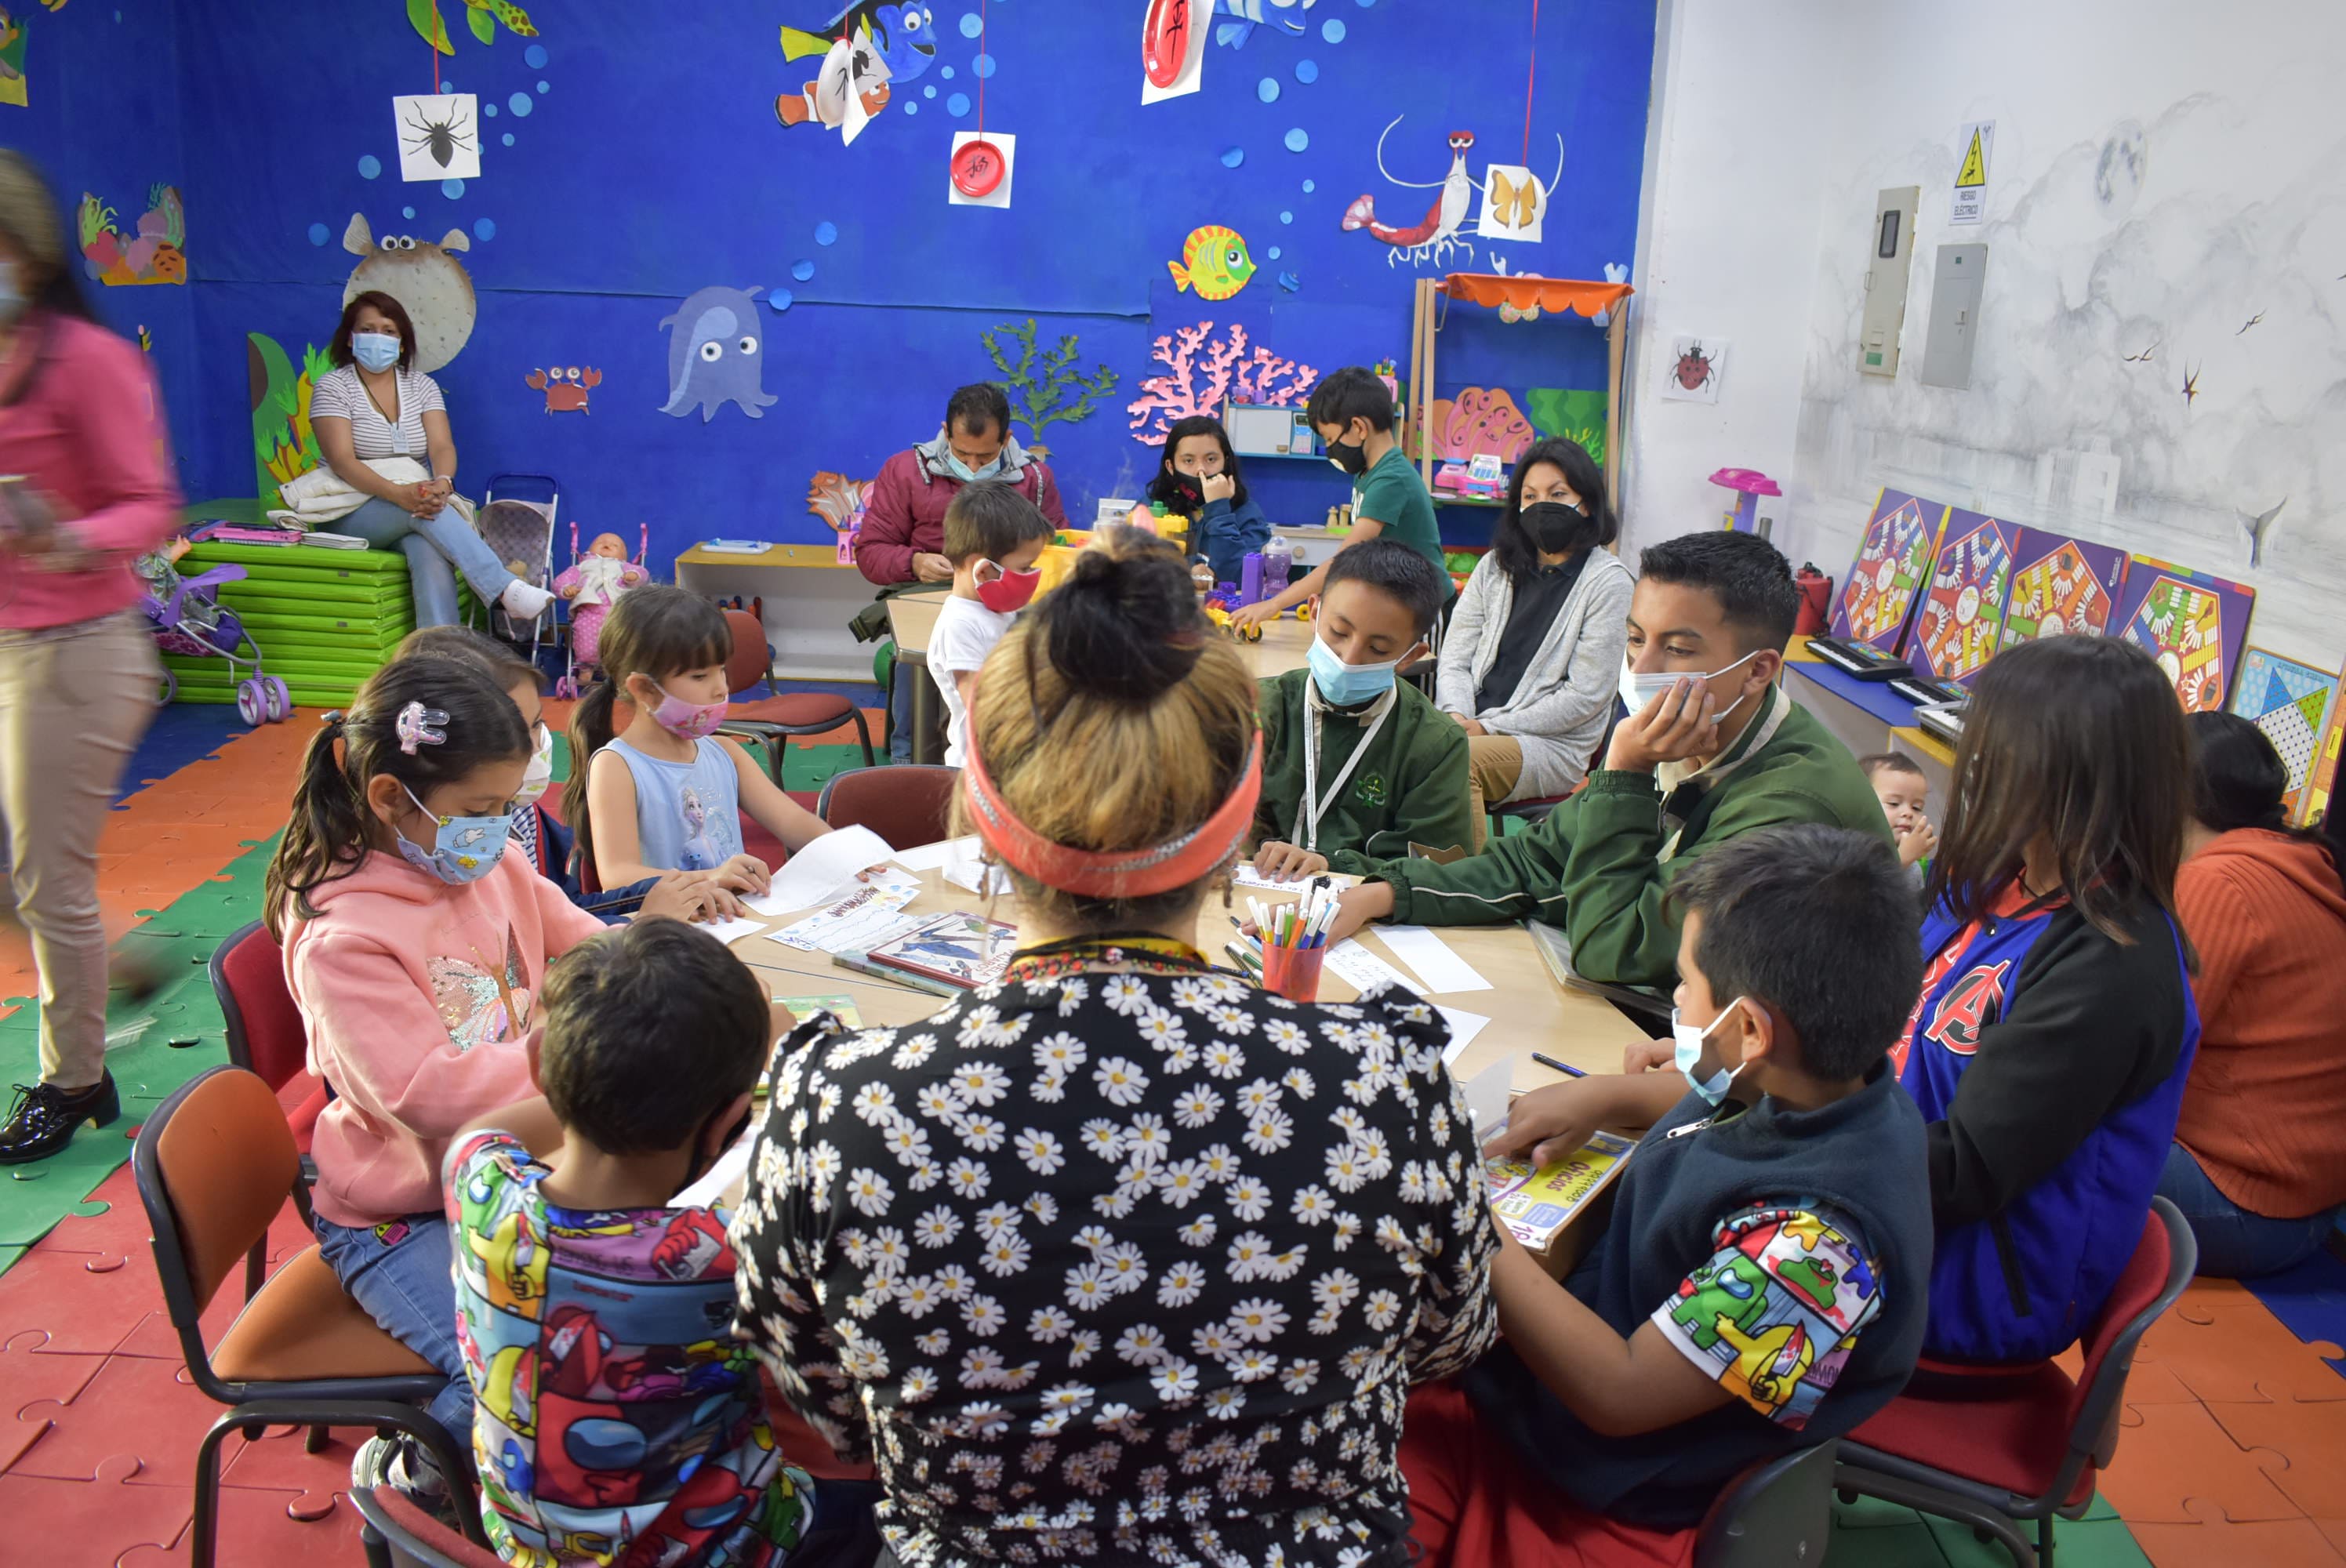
[2265,1112]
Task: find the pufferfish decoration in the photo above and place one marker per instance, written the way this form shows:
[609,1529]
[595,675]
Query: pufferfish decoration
[715,350]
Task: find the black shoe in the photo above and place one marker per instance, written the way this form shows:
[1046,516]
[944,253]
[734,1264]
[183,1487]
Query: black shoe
[44,1117]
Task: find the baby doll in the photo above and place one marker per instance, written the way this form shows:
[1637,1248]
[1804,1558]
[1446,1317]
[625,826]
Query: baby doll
[593,585]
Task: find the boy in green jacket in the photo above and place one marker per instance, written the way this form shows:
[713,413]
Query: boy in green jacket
[1711,749]
[1357,766]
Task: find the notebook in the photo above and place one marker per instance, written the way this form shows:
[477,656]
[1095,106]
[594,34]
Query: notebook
[965,950]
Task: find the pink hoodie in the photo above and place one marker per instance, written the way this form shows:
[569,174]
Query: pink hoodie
[418,997]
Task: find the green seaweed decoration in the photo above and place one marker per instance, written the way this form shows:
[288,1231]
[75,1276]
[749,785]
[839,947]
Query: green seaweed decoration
[284,444]
[1571,413]
[1036,390]
[481,16]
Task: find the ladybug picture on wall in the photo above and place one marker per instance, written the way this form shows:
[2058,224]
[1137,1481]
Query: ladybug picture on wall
[1690,373]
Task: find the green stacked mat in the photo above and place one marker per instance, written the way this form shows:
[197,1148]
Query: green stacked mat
[324,619]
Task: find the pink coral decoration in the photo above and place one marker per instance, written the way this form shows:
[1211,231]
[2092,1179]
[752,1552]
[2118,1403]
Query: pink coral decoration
[1479,420]
[1226,372]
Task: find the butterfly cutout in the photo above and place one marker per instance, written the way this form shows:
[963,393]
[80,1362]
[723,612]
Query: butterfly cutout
[1515,205]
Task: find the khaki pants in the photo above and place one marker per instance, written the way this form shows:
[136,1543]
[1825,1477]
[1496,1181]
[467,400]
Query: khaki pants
[73,703]
[1496,762]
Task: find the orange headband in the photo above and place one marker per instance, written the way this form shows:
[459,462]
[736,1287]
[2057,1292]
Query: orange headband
[1115,873]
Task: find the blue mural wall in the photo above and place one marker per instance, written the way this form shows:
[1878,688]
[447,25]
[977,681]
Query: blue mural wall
[633,155]
[102,115]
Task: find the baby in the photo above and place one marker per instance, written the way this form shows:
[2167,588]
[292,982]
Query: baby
[1905,795]
[593,585]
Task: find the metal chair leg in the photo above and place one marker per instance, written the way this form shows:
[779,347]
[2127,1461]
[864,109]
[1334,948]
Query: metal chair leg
[204,1529]
[863,734]
[316,1442]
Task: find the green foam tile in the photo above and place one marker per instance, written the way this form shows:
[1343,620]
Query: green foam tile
[1894,1546]
[2082,1544]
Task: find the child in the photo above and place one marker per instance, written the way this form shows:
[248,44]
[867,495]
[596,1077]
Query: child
[1356,766]
[1197,478]
[2056,1025]
[414,946]
[1761,1284]
[590,1307]
[1905,796]
[655,792]
[1353,412]
[994,536]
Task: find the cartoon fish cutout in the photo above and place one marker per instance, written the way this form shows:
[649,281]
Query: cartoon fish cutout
[715,355]
[904,36]
[1287,15]
[1214,262]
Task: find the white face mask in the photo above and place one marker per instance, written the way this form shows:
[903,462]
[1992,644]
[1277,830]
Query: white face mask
[1689,1040]
[540,772]
[1638,689]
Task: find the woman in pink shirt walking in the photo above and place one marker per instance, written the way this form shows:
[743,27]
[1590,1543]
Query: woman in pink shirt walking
[82,431]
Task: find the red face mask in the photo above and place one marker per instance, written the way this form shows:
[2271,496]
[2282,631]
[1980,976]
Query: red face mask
[1010,591]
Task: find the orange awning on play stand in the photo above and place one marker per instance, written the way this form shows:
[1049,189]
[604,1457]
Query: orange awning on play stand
[1496,289]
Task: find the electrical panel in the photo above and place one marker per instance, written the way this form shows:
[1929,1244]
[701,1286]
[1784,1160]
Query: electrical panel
[1954,315]
[1890,250]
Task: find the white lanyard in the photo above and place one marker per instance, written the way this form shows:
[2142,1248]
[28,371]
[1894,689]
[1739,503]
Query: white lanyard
[1315,805]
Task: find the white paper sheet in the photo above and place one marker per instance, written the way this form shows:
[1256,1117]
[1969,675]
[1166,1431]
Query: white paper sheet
[1486,1098]
[1243,875]
[730,931]
[1463,1027]
[1192,74]
[965,869]
[1006,144]
[930,857]
[856,923]
[1440,970]
[731,1166]
[822,872]
[432,124]
[1364,969]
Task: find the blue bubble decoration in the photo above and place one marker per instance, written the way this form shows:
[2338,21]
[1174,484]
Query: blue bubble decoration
[1332,29]
[520,103]
[485,229]
[780,299]
[317,234]
[507,138]
[802,270]
[452,189]
[957,105]
[1267,90]
[826,233]
[971,25]
[1297,140]
[1307,71]
[1233,157]
[983,66]
[535,57]
[369,165]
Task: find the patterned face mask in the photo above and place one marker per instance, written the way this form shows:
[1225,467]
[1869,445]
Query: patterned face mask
[465,849]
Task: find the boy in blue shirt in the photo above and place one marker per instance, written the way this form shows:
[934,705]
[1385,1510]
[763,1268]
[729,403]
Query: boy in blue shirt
[1762,1281]
[616,1417]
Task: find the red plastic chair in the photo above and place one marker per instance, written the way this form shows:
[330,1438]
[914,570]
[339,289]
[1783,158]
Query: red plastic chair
[265,1033]
[399,1534]
[772,719]
[908,804]
[2027,1443]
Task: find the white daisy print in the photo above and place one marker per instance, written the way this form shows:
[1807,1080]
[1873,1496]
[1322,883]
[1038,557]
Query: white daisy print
[869,1191]
[1039,1150]
[1197,1106]
[1119,1081]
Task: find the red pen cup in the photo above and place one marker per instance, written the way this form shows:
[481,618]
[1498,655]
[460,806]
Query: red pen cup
[1293,971]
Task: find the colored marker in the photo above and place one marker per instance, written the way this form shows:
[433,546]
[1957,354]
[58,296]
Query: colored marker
[1566,1068]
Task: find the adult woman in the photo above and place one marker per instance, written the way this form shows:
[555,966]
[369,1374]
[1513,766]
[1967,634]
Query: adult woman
[1197,478]
[80,422]
[1532,655]
[2258,1162]
[374,407]
[1224,1231]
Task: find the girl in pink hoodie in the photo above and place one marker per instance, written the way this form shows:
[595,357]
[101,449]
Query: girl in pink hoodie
[415,944]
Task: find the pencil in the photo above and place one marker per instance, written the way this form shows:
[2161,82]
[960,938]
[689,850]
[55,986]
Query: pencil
[1566,1068]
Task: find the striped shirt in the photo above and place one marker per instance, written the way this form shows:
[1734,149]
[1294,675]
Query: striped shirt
[342,395]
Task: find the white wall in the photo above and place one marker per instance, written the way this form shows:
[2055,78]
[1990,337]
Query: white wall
[2239,209]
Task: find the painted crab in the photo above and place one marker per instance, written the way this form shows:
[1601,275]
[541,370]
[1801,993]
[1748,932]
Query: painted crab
[565,390]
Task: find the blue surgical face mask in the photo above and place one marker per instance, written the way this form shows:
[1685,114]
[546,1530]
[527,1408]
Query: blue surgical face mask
[968,475]
[1639,687]
[1689,1040]
[465,849]
[376,351]
[1341,684]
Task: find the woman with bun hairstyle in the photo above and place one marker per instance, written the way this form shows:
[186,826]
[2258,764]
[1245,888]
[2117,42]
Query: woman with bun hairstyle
[1120,1210]
[2259,1162]
[1532,655]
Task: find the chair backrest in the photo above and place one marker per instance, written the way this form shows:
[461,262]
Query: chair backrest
[415,1538]
[1772,1514]
[906,803]
[2162,1265]
[214,1164]
[265,1033]
[748,664]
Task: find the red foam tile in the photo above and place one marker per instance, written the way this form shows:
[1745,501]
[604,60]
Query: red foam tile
[132,1407]
[281,1462]
[90,1520]
[80,1312]
[29,1384]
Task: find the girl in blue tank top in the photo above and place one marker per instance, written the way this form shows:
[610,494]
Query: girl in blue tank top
[653,787]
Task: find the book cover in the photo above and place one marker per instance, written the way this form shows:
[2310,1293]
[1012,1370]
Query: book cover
[1960,622]
[2324,776]
[2290,702]
[1877,598]
[965,950]
[2194,624]
[1535,1204]
[2061,586]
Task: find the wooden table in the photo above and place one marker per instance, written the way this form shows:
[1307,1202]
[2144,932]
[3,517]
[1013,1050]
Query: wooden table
[1528,1009]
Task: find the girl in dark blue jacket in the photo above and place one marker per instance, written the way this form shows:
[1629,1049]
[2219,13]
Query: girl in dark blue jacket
[1197,478]
[2055,1026]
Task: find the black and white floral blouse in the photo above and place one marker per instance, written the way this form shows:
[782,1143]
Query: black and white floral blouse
[1121,1267]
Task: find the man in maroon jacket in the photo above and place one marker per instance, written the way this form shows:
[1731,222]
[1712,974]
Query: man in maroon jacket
[903,539]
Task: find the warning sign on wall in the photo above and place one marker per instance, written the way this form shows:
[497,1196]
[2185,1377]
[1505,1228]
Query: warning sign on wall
[1977,145]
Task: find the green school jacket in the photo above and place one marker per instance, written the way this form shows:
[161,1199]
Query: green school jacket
[1413,788]
[1598,866]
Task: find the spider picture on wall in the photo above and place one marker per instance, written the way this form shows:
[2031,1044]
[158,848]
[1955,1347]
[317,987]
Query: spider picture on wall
[439,136]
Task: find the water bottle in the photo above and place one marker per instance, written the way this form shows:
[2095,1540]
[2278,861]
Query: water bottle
[1278,562]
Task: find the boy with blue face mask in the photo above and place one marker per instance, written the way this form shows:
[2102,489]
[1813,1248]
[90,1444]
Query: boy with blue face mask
[1710,749]
[1358,765]
[1762,1281]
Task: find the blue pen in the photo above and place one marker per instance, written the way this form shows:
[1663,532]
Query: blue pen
[1566,1068]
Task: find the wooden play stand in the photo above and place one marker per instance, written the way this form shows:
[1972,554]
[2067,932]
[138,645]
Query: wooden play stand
[1559,296]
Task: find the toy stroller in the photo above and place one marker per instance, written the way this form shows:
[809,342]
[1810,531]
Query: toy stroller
[590,585]
[519,530]
[188,620]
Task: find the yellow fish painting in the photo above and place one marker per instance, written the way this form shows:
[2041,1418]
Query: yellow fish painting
[1214,262]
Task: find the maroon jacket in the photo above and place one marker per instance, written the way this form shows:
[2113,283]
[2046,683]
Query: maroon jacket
[905,515]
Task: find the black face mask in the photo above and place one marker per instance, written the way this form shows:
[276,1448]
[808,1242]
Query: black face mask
[1555,527]
[1351,456]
